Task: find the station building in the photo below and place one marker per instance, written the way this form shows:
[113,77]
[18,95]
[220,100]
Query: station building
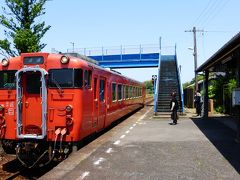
[226,61]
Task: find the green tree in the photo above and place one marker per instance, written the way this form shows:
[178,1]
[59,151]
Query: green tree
[22,32]
[186,84]
[149,86]
[221,88]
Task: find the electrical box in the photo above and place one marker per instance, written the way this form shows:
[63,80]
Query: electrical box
[236,97]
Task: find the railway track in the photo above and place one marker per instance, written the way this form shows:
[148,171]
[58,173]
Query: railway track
[11,168]
[6,162]
[12,176]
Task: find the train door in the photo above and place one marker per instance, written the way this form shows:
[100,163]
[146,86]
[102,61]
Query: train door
[95,101]
[31,103]
[102,102]
[31,111]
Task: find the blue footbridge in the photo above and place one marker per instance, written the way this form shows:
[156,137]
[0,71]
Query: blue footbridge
[131,56]
[143,56]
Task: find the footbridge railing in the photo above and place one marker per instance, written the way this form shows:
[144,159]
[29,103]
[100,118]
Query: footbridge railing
[130,56]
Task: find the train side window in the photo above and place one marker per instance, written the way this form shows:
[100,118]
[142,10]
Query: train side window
[130,91]
[134,95]
[78,77]
[90,78]
[102,90]
[119,92]
[126,92]
[95,88]
[87,78]
[114,98]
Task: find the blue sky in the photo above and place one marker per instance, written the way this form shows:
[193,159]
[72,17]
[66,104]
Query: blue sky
[96,23]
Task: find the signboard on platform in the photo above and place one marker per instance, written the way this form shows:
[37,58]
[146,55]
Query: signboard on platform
[154,77]
[236,97]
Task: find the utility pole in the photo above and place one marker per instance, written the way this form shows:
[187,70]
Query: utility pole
[195,57]
[195,53]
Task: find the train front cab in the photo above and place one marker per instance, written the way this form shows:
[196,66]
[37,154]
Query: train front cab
[36,110]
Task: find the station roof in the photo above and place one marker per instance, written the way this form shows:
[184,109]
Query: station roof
[222,55]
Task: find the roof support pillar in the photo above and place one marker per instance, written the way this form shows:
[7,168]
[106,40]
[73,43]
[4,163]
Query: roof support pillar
[205,105]
[238,70]
[238,86]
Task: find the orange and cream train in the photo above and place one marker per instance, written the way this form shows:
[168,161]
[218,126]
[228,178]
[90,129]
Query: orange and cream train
[50,102]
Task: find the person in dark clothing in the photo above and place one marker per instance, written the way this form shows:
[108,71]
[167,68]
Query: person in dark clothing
[174,108]
[198,102]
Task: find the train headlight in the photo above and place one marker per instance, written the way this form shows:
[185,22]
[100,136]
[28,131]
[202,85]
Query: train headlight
[64,59]
[5,62]
[1,107]
[69,108]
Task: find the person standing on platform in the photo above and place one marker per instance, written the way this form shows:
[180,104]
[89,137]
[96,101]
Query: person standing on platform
[198,102]
[174,108]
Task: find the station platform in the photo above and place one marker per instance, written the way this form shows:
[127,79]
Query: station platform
[146,147]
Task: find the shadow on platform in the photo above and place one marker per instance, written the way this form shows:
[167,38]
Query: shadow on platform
[222,137]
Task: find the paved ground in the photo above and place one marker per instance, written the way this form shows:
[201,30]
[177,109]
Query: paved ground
[143,147]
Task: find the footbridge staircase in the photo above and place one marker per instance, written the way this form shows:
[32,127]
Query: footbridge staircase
[168,81]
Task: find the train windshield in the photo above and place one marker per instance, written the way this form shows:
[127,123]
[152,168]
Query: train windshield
[7,79]
[65,78]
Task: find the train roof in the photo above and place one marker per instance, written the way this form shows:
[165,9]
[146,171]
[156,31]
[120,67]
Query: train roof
[83,57]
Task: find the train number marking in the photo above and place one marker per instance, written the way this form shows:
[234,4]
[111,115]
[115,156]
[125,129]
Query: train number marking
[11,104]
[11,112]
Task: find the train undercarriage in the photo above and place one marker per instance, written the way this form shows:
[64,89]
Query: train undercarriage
[39,152]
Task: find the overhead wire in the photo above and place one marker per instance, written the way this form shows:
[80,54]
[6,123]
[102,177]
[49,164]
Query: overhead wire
[209,9]
[215,12]
[203,12]
[216,31]
[207,15]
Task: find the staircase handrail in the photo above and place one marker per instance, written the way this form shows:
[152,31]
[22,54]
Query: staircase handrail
[179,80]
[158,78]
